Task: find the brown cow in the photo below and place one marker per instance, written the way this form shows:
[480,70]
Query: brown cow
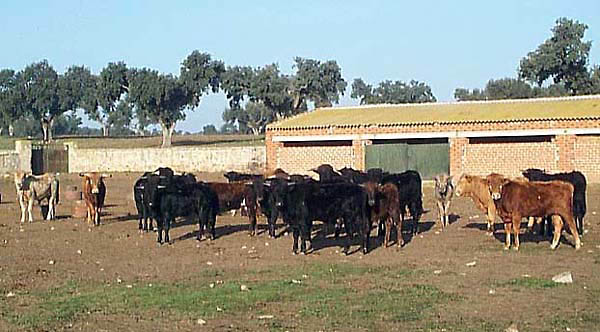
[386,206]
[94,192]
[476,188]
[233,196]
[517,199]
[36,187]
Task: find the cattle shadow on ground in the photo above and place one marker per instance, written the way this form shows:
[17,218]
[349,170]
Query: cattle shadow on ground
[127,217]
[220,231]
[452,218]
[482,226]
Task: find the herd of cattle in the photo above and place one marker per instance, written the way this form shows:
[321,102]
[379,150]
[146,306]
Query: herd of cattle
[348,199]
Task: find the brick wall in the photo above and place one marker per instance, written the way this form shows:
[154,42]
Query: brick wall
[587,150]
[300,159]
[558,154]
[509,158]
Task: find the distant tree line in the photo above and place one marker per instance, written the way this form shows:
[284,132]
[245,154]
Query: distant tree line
[133,101]
[558,67]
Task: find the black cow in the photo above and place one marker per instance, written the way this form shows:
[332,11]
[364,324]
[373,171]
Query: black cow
[233,176]
[354,176]
[155,188]
[186,199]
[303,203]
[410,195]
[328,175]
[376,174]
[577,179]
[141,194]
[144,214]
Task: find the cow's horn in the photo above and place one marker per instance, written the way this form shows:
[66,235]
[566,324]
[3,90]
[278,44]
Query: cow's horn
[161,187]
[104,175]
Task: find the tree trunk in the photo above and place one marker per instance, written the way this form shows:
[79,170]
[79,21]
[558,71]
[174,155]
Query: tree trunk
[167,134]
[47,129]
[106,130]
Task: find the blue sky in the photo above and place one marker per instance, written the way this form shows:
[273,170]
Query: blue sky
[446,44]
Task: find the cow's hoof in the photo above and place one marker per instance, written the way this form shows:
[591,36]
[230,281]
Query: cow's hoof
[516,248]
[506,247]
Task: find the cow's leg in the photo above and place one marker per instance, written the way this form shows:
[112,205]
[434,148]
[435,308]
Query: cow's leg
[50,214]
[349,235]
[557,223]
[167,227]
[252,219]
[272,220]
[530,222]
[491,216]
[440,207]
[507,231]
[30,209]
[568,219]
[366,231]
[414,213]
[296,234]
[388,225]
[516,225]
[97,220]
[23,207]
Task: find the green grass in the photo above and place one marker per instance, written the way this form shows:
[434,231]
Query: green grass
[330,295]
[529,283]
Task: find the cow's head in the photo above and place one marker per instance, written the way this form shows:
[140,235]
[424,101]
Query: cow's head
[495,184]
[442,183]
[278,189]
[533,174]
[258,185]
[93,180]
[463,184]
[325,171]
[20,182]
[371,188]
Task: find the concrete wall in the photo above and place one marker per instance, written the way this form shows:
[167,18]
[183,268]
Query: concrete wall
[9,161]
[190,159]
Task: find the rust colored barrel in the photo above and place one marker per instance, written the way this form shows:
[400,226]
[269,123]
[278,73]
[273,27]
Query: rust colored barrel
[72,193]
[79,209]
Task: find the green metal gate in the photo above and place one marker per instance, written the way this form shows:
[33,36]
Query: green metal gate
[428,157]
[49,158]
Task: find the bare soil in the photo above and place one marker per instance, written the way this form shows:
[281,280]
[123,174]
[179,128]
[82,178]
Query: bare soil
[43,255]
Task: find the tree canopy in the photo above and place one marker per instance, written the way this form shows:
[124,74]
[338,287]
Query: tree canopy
[162,97]
[509,88]
[271,95]
[562,58]
[392,92]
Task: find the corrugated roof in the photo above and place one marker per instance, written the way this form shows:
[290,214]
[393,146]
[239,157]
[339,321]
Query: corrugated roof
[564,108]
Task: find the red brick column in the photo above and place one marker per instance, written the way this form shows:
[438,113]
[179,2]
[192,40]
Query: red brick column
[271,150]
[457,148]
[360,151]
[566,152]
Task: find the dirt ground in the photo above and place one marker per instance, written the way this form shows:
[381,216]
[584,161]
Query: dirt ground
[42,255]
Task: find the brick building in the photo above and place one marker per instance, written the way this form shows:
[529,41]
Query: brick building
[506,136]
